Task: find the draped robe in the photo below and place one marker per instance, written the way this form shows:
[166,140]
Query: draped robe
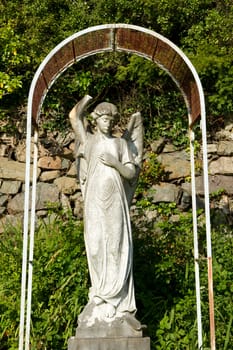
[107,229]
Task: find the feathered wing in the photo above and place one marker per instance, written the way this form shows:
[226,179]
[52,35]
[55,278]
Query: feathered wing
[134,135]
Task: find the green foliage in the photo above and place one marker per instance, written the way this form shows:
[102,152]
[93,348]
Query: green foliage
[12,58]
[60,283]
[163,274]
[223,275]
[166,291]
[209,43]
[177,329]
[203,28]
[152,172]
[10,282]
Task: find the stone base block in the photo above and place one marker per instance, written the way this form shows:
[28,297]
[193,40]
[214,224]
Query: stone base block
[123,343]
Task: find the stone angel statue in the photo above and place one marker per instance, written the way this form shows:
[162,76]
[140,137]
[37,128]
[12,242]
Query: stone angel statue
[108,170]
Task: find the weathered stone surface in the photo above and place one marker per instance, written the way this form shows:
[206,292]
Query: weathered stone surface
[77,196]
[65,140]
[225,134]
[3,150]
[2,210]
[53,163]
[129,343]
[20,152]
[10,221]
[168,148]
[231,206]
[212,148]
[77,199]
[73,170]
[186,198]
[225,148]
[66,184]
[16,204]
[119,327]
[72,146]
[157,145]
[67,153]
[65,202]
[10,187]
[176,164]
[164,192]
[12,170]
[223,165]
[174,218]
[46,193]
[65,163]
[216,183]
[41,213]
[3,199]
[51,175]
[151,215]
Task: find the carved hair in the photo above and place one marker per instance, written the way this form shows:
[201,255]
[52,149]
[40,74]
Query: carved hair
[105,108]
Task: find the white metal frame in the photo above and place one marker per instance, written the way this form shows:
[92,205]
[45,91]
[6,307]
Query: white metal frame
[30,198]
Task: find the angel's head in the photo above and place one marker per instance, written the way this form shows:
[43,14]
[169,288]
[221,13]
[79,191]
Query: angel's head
[105,108]
[105,115]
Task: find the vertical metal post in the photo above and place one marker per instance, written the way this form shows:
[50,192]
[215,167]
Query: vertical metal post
[31,247]
[195,240]
[25,234]
[208,234]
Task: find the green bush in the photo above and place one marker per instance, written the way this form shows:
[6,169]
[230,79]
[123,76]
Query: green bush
[163,274]
[165,281]
[60,284]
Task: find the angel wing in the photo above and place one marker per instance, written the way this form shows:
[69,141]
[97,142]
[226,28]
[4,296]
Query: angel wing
[134,135]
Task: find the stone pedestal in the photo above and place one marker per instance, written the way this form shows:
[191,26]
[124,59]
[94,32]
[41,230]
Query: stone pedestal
[95,331]
[121,343]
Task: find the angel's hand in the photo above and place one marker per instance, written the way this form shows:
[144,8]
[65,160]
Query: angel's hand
[76,118]
[108,159]
[79,108]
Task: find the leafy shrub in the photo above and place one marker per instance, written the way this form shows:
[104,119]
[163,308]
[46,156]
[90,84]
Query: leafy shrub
[163,274]
[60,284]
[165,282]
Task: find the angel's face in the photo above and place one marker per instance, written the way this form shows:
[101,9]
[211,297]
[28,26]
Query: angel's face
[105,124]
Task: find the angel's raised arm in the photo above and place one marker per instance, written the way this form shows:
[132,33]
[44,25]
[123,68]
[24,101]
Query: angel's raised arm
[76,118]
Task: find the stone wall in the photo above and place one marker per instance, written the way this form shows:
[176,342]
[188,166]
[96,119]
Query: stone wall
[57,179]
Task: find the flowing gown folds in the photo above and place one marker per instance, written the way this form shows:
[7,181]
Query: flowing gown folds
[107,229]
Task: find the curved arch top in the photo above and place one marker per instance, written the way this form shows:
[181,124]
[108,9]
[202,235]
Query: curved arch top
[121,38]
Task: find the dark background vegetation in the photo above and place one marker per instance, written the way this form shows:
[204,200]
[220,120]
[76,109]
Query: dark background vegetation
[164,275]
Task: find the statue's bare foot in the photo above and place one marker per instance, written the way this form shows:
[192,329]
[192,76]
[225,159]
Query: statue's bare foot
[110,310]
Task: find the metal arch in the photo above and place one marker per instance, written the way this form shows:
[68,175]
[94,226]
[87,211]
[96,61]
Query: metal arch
[117,37]
[164,53]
